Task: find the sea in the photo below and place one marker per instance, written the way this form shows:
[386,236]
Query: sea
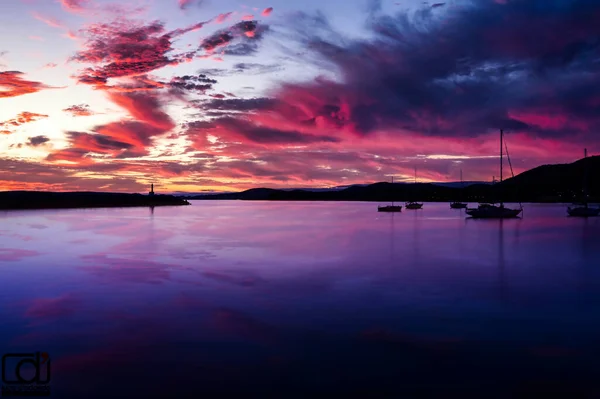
[291,299]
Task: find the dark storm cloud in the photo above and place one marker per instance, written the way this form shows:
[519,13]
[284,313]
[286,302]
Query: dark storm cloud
[238,128]
[238,104]
[241,39]
[37,140]
[267,135]
[243,68]
[198,83]
[525,65]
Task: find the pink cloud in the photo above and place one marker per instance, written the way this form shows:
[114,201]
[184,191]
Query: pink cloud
[52,22]
[126,48]
[21,119]
[267,11]
[75,6]
[223,17]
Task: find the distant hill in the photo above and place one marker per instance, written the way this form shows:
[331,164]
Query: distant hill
[547,183]
[458,184]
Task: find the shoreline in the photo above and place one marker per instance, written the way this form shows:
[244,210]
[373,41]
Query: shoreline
[396,201]
[38,200]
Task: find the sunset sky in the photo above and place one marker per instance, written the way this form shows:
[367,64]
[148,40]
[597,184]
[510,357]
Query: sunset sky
[222,95]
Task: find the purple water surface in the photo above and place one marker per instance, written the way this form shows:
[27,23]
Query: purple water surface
[293,297]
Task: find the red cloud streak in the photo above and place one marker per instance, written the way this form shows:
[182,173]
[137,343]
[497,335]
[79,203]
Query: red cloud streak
[12,85]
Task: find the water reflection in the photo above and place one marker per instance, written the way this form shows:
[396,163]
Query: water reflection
[303,297]
[501,265]
[392,238]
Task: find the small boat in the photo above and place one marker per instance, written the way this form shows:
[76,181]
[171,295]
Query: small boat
[413,204]
[488,211]
[584,210]
[390,208]
[456,204]
[491,211]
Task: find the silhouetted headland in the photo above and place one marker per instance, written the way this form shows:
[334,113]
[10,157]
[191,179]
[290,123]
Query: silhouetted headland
[16,200]
[547,183]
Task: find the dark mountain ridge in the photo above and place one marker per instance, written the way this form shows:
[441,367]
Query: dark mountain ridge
[546,183]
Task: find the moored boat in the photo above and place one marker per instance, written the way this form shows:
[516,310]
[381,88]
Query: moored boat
[392,207]
[457,204]
[487,211]
[413,205]
[584,210]
[492,211]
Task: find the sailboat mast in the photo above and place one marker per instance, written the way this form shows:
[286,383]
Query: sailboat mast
[585,178]
[392,190]
[462,186]
[501,156]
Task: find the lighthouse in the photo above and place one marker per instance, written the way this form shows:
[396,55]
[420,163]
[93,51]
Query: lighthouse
[151,189]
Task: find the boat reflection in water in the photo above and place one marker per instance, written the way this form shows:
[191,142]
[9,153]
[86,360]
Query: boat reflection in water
[389,208]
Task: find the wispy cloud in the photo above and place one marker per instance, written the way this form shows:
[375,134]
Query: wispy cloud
[12,84]
[50,21]
[8,126]
[75,6]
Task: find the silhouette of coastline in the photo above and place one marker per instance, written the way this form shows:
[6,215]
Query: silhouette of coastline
[548,183]
[21,200]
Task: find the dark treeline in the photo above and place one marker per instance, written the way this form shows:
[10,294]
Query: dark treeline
[14,200]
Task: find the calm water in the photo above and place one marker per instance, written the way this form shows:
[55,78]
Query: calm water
[293,298]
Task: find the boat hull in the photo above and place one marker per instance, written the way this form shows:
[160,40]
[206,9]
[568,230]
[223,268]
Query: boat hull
[390,208]
[583,212]
[493,213]
[458,205]
[413,206]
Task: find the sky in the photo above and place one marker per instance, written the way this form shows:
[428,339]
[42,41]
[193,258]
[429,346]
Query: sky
[226,95]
